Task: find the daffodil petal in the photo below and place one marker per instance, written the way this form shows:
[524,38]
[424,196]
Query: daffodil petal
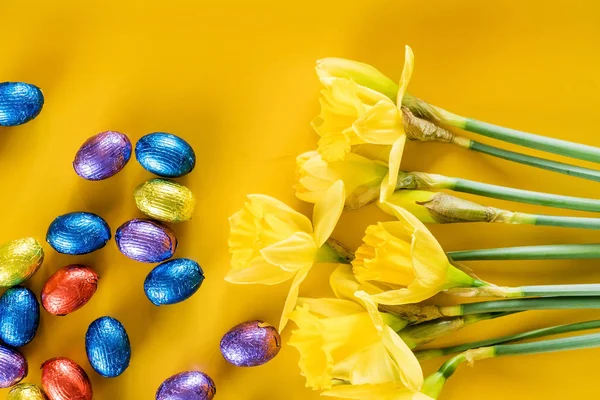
[258,270]
[327,212]
[384,391]
[290,302]
[329,308]
[293,253]
[408,365]
[261,205]
[388,186]
[407,71]
[380,124]
[429,260]
[409,295]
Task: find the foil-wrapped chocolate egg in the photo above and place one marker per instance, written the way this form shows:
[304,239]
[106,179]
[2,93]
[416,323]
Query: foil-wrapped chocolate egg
[78,233]
[102,156]
[19,103]
[146,240]
[26,391]
[173,281]
[19,316]
[189,385]
[107,346]
[19,260]
[165,154]
[250,344]
[69,289]
[64,379]
[165,200]
[13,367]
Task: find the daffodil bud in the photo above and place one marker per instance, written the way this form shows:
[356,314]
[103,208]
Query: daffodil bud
[421,130]
[413,313]
[417,335]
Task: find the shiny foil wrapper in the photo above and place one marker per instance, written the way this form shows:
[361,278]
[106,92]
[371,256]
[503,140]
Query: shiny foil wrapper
[102,156]
[64,379]
[250,344]
[78,233]
[146,240]
[26,391]
[19,260]
[165,155]
[19,103]
[173,281]
[69,289]
[165,200]
[13,367]
[107,347]
[189,385]
[19,316]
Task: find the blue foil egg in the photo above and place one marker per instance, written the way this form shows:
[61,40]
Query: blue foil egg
[173,281]
[19,316]
[165,154]
[107,347]
[78,233]
[19,103]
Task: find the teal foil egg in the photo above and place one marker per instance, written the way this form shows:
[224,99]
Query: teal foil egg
[173,281]
[78,233]
[19,103]
[107,346]
[19,316]
[165,155]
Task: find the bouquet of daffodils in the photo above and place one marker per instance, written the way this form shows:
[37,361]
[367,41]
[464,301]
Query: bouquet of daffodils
[365,343]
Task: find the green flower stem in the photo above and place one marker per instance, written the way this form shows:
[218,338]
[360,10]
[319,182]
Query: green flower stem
[546,252]
[423,355]
[514,305]
[333,252]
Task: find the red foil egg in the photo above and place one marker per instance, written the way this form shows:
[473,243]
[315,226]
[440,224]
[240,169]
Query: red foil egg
[64,379]
[69,289]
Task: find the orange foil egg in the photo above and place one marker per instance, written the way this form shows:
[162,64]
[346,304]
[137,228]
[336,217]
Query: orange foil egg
[69,289]
[64,379]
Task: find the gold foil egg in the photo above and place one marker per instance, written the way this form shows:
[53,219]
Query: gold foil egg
[26,391]
[19,260]
[165,200]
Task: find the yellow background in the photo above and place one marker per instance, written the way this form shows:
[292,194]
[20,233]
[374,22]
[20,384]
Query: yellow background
[236,79]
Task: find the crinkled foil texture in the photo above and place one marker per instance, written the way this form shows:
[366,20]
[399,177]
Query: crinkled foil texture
[107,347]
[13,367]
[173,281]
[26,391]
[189,385]
[78,233]
[19,316]
[146,240]
[102,156]
[69,289]
[165,155]
[250,344]
[19,260]
[64,379]
[165,200]
[19,103]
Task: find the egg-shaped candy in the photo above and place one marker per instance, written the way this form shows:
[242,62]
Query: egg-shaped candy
[189,385]
[19,260]
[78,233]
[19,103]
[102,156]
[19,316]
[250,344]
[13,367]
[26,391]
[69,289]
[107,346]
[64,379]
[173,281]
[146,240]
[165,154]
[165,200]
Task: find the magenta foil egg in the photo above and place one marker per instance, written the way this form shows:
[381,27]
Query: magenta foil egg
[189,385]
[146,240]
[250,344]
[102,156]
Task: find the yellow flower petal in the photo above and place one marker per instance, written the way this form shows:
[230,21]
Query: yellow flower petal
[329,308]
[381,124]
[290,301]
[293,253]
[407,71]
[327,212]
[411,294]
[261,205]
[344,284]
[388,186]
[369,365]
[257,270]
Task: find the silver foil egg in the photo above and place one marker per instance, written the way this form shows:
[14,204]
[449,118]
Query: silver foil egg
[250,344]
[19,316]
[19,103]
[146,240]
[189,385]
[173,281]
[13,367]
[78,233]
[102,156]
[165,155]
[107,346]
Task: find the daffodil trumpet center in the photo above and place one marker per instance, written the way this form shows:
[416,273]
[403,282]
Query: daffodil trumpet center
[434,383]
[545,252]
[426,181]
[423,355]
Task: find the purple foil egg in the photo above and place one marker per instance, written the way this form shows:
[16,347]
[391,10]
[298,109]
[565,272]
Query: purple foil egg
[250,344]
[13,367]
[189,385]
[146,240]
[102,156]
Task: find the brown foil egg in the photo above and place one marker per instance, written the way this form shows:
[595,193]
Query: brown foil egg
[64,379]
[69,289]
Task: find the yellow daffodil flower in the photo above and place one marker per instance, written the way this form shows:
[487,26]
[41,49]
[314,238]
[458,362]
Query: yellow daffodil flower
[347,340]
[362,178]
[385,391]
[271,243]
[406,259]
